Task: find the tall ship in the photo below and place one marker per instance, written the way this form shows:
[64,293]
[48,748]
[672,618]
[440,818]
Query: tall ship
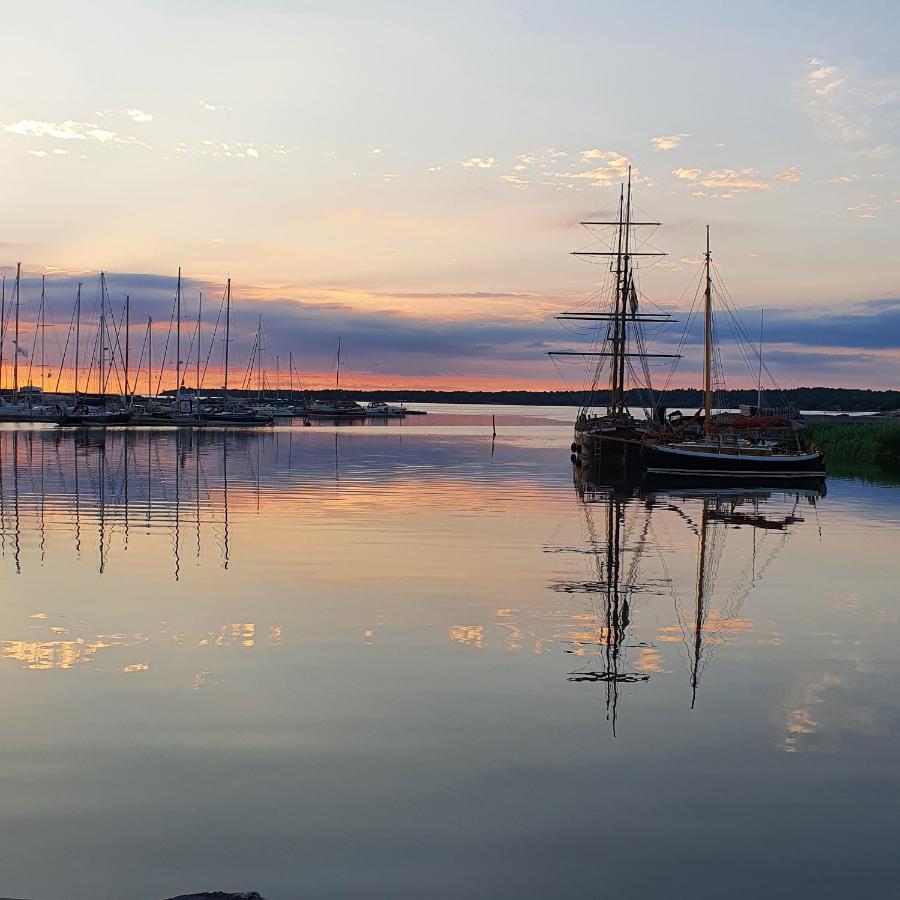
[621,325]
[618,319]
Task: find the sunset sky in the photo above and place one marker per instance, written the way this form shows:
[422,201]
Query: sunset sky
[410,176]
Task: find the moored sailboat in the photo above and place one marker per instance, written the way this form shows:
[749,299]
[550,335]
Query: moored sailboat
[723,450]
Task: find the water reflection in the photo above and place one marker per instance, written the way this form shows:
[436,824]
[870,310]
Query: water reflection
[628,525]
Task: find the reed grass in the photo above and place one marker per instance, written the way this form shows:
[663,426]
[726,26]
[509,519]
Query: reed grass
[875,443]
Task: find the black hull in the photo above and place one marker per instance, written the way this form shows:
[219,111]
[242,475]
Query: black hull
[621,443]
[88,421]
[670,461]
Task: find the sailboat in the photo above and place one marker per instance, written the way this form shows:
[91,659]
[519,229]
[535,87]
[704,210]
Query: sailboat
[338,408]
[724,451]
[618,339]
[99,412]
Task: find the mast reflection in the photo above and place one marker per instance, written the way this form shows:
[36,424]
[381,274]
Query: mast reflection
[57,487]
[630,507]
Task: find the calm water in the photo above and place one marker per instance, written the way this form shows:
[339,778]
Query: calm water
[397,662]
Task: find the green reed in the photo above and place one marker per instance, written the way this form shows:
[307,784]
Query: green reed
[870,443]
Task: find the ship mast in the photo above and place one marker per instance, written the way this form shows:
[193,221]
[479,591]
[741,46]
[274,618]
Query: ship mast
[698,621]
[623,298]
[618,315]
[707,345]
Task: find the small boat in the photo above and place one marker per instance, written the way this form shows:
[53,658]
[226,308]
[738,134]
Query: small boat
[86,416]
[337,409]
[712,459]
[376,410]
[235,415]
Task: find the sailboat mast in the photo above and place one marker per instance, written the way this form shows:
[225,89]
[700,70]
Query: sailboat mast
[127,326]
[762,314]
[199,319]
[77,337]
[626,285]
[614,369]
[259,359]
[16,341]
[43,318]
[698,621]
[337,368]
[178,337]
[102,329]
[227,335]
[2,329]
[149,357]
[707,345]
[291,375]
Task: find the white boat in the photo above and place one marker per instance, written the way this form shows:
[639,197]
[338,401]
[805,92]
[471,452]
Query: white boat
[337,409]
[376,410]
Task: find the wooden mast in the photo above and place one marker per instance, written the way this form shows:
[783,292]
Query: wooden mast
[707,346]
[626,284]
[614,371]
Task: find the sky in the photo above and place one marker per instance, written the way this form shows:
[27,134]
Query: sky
[410,177]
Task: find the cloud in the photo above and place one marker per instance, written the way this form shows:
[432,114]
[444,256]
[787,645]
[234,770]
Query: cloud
[375,151]
[38,152]
[70,131]
[734,180]
[844,107]
[236,150]
[864,210]
[524,161]
[515,181]
[479,162]
[788,176]
[725,183]
[839,179]
[133,113]
[669,142]
[212,107]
